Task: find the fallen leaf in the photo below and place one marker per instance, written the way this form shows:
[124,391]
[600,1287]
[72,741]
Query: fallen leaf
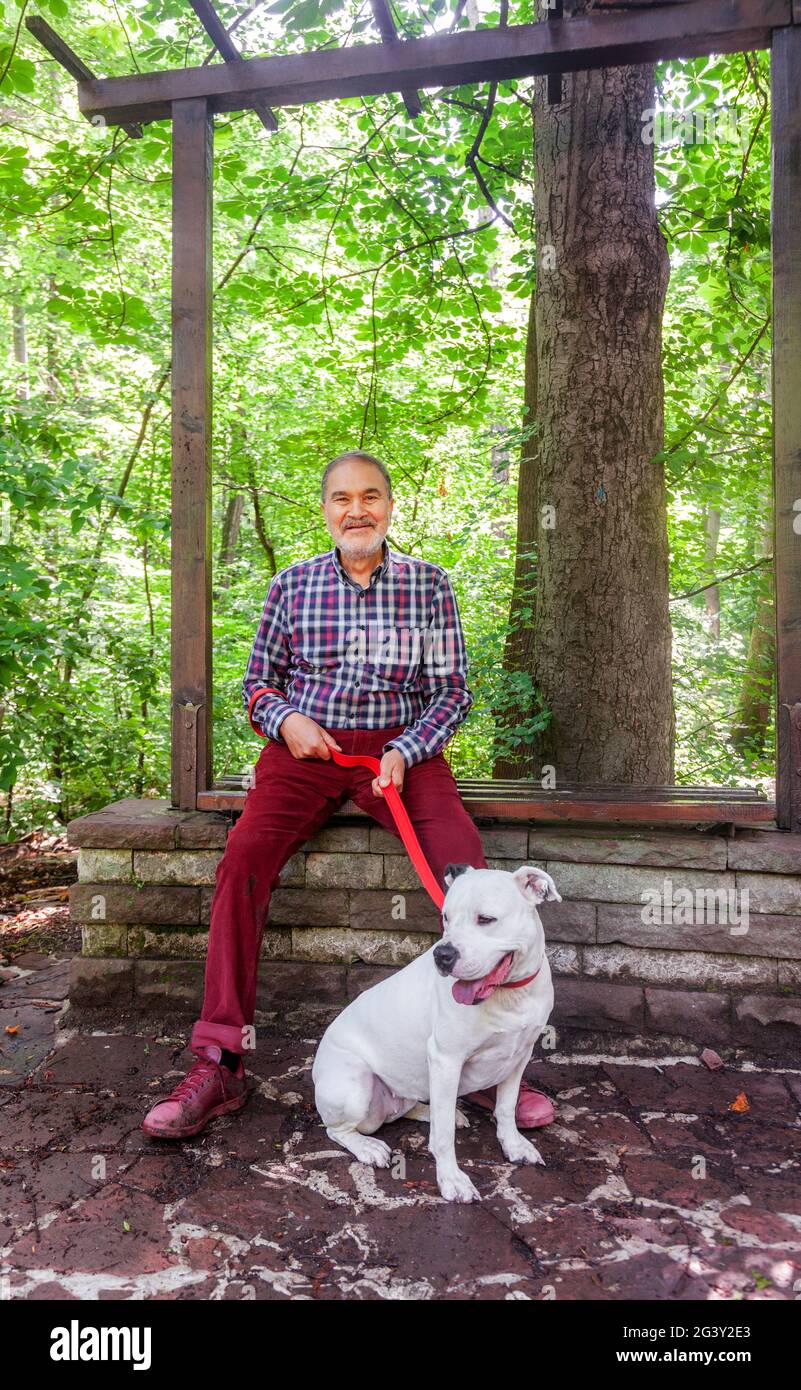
[320,1277]
[740,1105]
[11,1029]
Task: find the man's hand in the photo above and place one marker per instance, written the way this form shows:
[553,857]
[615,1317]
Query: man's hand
[393,768]
[306,739]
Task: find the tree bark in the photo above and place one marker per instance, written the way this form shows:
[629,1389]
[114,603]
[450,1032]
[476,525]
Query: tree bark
[50,373]
[20,346]
[230,536]
[519,646]
[602,656]
[712,594]
[752,717]
[261,530]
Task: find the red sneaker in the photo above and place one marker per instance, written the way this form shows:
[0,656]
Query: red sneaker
[208,1089]
[533,1108]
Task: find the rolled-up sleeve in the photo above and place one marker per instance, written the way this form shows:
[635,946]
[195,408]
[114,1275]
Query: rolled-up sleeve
[444,682]
[269,664]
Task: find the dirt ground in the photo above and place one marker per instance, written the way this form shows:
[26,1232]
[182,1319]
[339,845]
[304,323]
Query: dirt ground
[35,877]
[653,1188]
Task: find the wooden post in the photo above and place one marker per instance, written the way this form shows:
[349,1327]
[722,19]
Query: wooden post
[192,153]
[786,236]
[554,82]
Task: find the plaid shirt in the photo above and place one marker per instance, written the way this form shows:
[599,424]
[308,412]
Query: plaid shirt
[354,658]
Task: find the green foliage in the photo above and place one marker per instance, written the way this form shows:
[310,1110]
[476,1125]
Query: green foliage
[715,209]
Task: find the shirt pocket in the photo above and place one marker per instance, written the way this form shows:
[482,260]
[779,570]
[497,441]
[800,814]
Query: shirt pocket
[396,654]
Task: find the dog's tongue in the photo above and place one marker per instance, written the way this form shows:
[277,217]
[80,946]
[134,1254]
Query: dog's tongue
[473,991]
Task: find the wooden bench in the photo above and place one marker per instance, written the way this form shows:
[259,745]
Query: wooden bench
[521,800]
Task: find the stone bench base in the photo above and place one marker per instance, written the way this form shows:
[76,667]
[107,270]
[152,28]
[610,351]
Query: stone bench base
[317,991]
[349,908]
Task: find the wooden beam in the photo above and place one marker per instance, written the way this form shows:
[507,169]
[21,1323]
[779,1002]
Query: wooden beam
[228,50]
[786,245]
[389,34]
[191,677]
[59,49]
[447,60]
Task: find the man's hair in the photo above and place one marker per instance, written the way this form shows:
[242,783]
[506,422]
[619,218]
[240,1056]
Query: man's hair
[363,458]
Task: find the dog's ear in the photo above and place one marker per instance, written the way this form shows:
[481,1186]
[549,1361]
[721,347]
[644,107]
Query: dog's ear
[453,871]
[535,885]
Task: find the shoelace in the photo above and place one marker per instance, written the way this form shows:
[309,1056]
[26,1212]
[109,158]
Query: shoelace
[194,1079]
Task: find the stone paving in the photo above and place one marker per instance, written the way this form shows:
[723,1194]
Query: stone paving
[653,1187]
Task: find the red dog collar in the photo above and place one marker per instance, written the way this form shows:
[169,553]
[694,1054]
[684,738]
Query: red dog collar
[515,984]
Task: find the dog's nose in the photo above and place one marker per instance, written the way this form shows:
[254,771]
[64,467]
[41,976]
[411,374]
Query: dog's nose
[445,957]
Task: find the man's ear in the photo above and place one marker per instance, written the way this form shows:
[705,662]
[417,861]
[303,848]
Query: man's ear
[453,871]
[535,885]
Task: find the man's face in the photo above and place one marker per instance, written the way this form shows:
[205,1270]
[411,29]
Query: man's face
[357,508]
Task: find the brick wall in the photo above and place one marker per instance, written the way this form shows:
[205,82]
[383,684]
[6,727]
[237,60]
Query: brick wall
[349,908]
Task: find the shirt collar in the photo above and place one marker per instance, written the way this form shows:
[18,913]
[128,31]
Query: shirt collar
[374,577]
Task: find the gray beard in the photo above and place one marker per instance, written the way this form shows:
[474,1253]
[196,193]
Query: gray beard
[363,546]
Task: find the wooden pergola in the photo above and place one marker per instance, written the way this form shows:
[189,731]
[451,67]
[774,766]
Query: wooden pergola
[191,97]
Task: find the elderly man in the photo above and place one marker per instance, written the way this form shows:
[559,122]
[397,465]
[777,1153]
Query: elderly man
[360,650]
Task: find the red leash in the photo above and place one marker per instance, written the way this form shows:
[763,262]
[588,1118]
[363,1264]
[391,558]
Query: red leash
[401,818]
[399,814]
[397,809]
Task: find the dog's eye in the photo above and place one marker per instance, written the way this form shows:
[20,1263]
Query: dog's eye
[485,921]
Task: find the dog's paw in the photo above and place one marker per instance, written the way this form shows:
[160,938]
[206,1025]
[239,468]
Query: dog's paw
[372,1151]
[462,1121]
[517,1149]
[457,1187]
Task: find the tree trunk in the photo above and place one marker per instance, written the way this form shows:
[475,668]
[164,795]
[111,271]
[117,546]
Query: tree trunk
[519,647]
[261,530]
[712,594]
[603,639]
[230,537]
[752,716]
[51,342]
[20,347]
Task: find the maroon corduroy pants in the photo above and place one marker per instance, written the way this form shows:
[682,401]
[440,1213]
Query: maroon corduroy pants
[291,799]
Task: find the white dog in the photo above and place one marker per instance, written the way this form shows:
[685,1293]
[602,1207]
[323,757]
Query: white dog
[444,1026]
